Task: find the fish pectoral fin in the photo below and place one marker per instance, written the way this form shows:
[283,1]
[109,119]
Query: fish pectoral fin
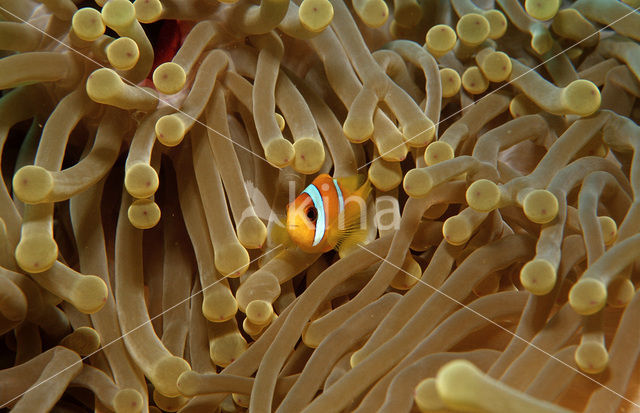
[280,235]
[349,230]
[351,243]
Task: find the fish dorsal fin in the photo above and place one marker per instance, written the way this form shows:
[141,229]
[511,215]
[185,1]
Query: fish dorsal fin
[364,190]
[351,183]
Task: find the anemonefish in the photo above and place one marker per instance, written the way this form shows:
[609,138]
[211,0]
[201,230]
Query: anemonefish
[329,214]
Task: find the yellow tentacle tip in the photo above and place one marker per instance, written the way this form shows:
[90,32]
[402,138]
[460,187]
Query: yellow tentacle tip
[36,253]
[374,13]
[473,81]
[609,229]
[309,155]
[541,41]
[581,97]
[279,152]
[450,81]
[118,13]
[232,260]
[540,206]
[188,383]
[409,14]
[588,296]
[219,307]
[538,276]
[426,396]
[141,180]
[440,40]
[497,23]
[620,292]
[473,29]
[483,195]
[128,401]
[241,400]
[170,130]
[83,340]
[87,24]
[496,67]
[357,130]
[32,184]
[437,152]
[385,175]
[356,358]
[592,357]
[453,379]
[280,121]
[419,132]
[542,9]
[123,53]
[259,312]
[103,85]
[315,15]
[89,294]
[457,230]
[463,387]
[226,349]
[165,375]
[169,78]
[409,276]
[251,232]
[148,11]
[144,214]
[521,105]
[417,183]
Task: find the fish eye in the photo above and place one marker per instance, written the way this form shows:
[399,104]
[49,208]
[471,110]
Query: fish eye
[312,214]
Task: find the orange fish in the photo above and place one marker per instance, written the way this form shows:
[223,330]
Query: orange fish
[330,213]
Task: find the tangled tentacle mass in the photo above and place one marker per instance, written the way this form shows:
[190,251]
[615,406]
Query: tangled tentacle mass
[150,149]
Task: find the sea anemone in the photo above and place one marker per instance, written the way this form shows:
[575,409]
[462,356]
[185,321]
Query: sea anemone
[150,150]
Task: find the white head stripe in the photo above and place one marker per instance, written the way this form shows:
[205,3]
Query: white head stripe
[316,198]
[340,197]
